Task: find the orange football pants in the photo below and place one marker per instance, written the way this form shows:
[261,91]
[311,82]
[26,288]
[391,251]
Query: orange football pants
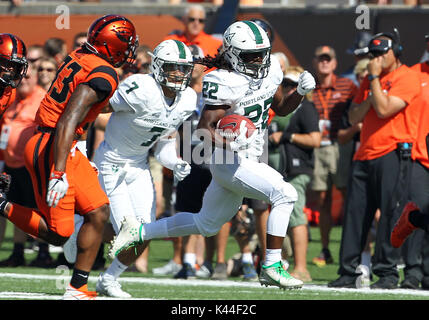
[83,195]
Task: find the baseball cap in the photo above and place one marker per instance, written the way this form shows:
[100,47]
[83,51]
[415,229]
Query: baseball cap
[325,50]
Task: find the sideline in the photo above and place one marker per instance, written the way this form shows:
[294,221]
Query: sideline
[196,282]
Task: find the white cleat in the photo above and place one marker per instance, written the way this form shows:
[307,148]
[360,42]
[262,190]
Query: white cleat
[70,246]
[129,235]
[79,294]
[171,268]
[276,275]
[110,287]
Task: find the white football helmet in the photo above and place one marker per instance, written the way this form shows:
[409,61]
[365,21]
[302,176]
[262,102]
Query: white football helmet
[247,48]
[172,64]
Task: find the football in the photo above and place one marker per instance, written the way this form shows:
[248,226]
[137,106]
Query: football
[229,126]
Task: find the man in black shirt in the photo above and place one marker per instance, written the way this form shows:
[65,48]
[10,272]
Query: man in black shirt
[297,143]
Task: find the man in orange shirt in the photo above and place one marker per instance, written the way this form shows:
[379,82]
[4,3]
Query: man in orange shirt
[389,105]
[415,214]
[194,21]
[63,179]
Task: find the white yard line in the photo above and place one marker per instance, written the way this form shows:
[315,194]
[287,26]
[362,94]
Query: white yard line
[208,283]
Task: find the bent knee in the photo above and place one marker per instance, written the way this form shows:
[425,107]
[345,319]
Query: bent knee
[284,193]
[98,216]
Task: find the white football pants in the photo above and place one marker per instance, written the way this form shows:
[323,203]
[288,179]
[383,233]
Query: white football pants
[129,188]
[224,196]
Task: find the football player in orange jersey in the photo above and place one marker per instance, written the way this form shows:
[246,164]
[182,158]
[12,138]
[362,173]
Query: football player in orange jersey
[13,66]
[63,179]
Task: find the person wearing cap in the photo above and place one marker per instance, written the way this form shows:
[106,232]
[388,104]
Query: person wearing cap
[194,21]
[389,106]
[331,98]
[356,50]
[298,141]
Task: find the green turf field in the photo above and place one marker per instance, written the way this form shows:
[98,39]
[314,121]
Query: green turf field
[35,283]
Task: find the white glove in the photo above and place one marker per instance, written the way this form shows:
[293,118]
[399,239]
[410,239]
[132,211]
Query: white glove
[181,170]
[57,188]
[306,83]
[242,142]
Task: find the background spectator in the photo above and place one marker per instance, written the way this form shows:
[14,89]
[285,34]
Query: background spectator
[79,39]
[56,48]
[194,21]
[299,139]
[331,97]
[46,72]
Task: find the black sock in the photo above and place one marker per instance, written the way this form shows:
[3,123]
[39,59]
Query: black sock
[43,250]
[419,219]
[79,278]
[18,249]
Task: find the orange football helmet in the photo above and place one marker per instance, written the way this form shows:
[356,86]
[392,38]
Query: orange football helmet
[13,62]
[113,38]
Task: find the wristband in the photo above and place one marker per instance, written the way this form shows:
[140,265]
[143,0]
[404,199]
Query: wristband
[372,77]
[57,174]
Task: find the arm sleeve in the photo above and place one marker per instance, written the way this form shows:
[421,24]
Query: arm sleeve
[407,87]
[165,153]
[103,80]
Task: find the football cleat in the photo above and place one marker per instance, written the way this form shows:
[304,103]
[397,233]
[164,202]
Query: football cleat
[403,227]
[171,268]
[79,294]
[110,287]
[70,246]
[276,275]
[129,236]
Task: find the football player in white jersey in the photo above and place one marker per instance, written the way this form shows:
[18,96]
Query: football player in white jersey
[147,109]
[245,83]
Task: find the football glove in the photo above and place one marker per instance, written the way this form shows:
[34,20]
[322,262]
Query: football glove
[57,188]
[181,170]
[242,142]
[306,83]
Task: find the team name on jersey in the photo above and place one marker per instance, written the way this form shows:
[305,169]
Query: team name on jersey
[254,100]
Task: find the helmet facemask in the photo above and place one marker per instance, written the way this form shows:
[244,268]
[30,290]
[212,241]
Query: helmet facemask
[12,71]
[174,75]
[247,49]
[254,63]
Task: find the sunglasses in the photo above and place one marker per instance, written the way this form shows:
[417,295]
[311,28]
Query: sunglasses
[324,57]
[46,69]
[196,19]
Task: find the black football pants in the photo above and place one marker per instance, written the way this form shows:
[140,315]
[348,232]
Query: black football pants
[378,183]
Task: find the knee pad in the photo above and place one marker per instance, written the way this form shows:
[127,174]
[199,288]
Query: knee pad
[283,192]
